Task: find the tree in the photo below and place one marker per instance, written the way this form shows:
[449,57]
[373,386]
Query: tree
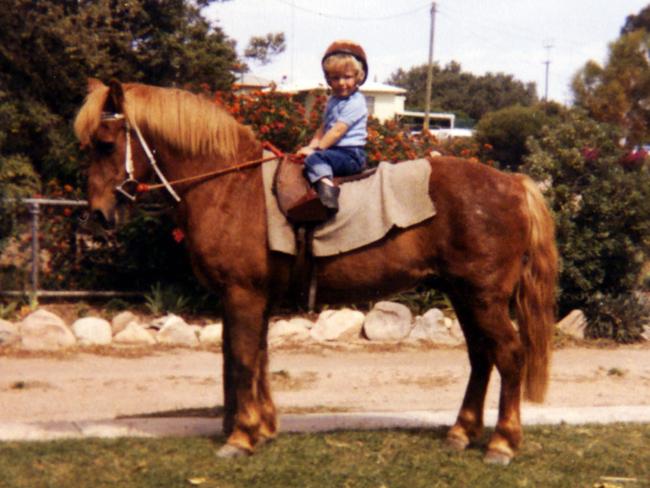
[463,93]
[619,92]
[49,47]
[262,48]
[503,134]
[639,21]
[600,195]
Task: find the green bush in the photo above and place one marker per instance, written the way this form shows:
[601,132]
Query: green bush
[502,134]
[600,194]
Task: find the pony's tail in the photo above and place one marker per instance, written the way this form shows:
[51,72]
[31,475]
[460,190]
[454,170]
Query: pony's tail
[535,294]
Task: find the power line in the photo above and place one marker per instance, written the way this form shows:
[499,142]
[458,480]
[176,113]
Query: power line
[352,18]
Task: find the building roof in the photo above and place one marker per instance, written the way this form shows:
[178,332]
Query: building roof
[368,87]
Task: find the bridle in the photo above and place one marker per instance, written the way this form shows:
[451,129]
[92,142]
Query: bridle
[137,187]
[130,181]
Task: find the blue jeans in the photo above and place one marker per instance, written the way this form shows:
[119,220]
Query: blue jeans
[335,161]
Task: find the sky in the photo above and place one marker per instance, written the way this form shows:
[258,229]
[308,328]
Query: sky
[515,37]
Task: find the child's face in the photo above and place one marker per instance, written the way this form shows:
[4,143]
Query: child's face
[343,81]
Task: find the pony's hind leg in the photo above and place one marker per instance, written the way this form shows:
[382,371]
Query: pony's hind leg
[492,340]
[249,413]
[469,423]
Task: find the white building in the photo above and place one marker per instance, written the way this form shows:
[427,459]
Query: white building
[385,102]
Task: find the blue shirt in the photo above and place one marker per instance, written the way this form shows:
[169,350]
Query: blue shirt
[353,112]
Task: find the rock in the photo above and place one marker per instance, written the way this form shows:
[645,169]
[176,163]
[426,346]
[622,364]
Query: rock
[293,330]
[388,321]
[435,328]
[134,334]
[211,334]
[9,334]
[333,325]
[169,319]
[44,331]
[121,320]
[573,325]
[176,332]
[645,335]
[92,331]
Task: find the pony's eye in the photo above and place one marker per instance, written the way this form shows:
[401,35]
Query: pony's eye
[104,148]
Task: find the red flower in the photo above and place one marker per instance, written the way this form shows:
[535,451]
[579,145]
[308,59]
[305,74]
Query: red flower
[178,235]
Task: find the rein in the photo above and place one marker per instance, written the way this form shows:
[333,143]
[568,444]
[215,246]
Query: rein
[168,185]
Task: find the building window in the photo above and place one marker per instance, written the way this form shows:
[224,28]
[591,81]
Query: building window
[370,102]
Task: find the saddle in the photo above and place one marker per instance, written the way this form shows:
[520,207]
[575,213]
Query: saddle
[297,200]
[302,207]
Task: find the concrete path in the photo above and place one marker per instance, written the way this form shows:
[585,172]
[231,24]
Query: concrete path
[206,427]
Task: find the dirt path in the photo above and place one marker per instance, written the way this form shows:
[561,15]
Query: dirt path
[91,387]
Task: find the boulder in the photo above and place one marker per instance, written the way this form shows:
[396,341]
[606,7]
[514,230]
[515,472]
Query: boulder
[388,321]
[169,319]
[435,328]
[134,334]
[574,324]
[211,333]
[337,325]
[9,334]
[294,330]
[176,332]
[92,331]
[121,320]
[645,335]
[44,331]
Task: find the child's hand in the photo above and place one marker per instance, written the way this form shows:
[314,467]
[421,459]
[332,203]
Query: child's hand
[305,151]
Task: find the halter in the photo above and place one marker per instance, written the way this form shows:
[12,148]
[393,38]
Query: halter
[128,160]
[142,187]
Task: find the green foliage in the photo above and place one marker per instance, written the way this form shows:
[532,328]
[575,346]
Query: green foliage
[279,118]
[422,299]
[165,299]
[467,95]
[617,92]
[263,48]
[619,317]
[49,48]
[557,456]
[8,310]
[639,21]
[600,195]
[503,133]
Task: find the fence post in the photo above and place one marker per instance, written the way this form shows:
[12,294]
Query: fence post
[35,210]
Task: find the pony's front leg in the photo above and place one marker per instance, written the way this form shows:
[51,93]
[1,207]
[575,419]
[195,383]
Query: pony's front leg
[249,411]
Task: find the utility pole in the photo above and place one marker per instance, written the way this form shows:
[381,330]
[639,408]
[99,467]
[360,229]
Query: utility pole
[548,46]
[427,100]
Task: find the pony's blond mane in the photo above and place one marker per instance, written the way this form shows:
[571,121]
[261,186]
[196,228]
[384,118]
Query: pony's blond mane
[190,123]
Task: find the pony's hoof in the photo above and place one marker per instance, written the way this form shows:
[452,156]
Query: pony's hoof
[228,451]
[457,443]
[498,457]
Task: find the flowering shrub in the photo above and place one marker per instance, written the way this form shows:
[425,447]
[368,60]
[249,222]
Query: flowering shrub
[131,262]
[275,117]
[283,120]
[600,196]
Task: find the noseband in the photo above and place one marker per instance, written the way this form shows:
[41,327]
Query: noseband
[130,182]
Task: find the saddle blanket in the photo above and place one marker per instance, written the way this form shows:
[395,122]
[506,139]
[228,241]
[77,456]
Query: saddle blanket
[397,195]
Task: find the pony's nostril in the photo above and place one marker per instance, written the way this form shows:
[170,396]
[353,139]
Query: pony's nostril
[98,217]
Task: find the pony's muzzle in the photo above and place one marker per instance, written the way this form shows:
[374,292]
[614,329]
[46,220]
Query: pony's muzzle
[128,189]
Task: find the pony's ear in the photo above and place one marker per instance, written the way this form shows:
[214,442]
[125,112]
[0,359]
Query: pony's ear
[116,96]
[93,84]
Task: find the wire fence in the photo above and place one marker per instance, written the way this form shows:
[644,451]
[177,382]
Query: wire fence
[33,288]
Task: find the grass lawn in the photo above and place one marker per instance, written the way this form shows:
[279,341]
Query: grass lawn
[606,456]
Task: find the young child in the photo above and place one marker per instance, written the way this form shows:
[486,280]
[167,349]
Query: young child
[337,148]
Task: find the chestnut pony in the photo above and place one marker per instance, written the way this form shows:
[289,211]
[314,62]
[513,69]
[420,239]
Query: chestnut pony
[490,248]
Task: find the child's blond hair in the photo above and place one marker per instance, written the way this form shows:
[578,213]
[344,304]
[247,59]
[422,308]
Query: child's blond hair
[340,62]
